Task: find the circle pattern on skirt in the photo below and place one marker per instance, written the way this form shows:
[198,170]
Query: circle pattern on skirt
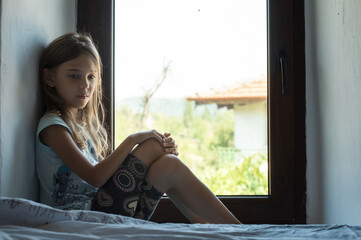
[124,180]
[139,168]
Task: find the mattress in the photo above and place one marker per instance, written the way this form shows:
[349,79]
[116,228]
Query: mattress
[25,219]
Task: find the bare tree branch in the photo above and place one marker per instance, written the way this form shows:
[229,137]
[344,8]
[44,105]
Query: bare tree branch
[151,91]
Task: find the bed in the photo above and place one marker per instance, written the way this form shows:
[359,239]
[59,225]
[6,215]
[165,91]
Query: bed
[25,219]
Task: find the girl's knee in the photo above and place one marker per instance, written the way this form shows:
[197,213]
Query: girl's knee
[149,151]
[169,165]
[167,172]
[151,146]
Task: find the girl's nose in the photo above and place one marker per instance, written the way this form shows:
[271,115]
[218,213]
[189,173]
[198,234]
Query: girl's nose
[84,83]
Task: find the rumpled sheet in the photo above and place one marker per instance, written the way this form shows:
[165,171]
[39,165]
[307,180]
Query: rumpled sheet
[25,219]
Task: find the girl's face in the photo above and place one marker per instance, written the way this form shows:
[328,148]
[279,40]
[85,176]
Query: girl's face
[74,81]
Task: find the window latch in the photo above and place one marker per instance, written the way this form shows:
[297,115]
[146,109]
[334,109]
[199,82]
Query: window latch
[283,69]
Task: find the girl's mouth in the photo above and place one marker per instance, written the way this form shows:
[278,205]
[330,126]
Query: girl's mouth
[83,96]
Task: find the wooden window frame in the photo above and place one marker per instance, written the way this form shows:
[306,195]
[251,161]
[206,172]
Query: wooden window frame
[286,202]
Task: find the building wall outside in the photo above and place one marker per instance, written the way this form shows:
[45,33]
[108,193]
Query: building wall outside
[250,127]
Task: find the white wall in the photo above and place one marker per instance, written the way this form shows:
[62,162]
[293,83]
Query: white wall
[250,127]
[333,119]
[26,27]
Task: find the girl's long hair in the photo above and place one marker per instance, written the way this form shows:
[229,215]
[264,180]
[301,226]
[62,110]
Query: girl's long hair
[92,116]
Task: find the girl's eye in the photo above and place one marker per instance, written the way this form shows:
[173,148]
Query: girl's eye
[90,77]
[75,76]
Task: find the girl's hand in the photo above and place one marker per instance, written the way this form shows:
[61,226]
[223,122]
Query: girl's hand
[140,137]
[169,144]
[165,140]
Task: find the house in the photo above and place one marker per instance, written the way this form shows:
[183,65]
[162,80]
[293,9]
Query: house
[249,101]
[333,100]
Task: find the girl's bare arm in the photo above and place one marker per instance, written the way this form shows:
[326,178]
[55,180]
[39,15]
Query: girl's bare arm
[60,141]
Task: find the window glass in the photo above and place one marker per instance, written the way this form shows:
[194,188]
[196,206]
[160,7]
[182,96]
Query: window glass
[197,69]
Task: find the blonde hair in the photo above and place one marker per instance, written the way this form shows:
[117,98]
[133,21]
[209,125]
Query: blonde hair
[92,116]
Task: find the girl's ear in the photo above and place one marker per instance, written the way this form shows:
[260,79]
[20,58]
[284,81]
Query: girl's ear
[48,77]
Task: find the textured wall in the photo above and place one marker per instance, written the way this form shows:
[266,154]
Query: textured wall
[333,87]
[26,27]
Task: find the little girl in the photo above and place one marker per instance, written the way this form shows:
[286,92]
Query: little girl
[73,164]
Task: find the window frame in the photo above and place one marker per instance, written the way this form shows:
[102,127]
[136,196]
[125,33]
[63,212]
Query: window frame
[286,202]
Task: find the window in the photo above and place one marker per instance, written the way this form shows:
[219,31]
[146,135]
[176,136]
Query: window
[286,200]
[197,69]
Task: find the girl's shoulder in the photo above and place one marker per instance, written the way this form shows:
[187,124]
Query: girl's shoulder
[49,119]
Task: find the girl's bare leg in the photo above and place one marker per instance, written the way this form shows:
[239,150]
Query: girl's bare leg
[168,174]
[191,196]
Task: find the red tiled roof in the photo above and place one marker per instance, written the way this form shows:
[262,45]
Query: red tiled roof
[239,92]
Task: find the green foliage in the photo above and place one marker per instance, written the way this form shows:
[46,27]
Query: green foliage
[248,176]
[200,135]
[125,123]
[188,114]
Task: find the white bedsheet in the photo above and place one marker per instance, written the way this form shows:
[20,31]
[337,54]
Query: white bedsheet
[24,219]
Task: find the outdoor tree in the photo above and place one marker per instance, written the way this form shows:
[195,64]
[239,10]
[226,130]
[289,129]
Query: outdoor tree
[148,94]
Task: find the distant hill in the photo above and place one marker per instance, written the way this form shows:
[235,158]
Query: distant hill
[172,106]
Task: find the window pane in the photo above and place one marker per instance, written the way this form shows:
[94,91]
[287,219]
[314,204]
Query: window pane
[197,69]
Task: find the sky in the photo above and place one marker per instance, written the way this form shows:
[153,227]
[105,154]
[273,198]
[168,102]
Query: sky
[207,44]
